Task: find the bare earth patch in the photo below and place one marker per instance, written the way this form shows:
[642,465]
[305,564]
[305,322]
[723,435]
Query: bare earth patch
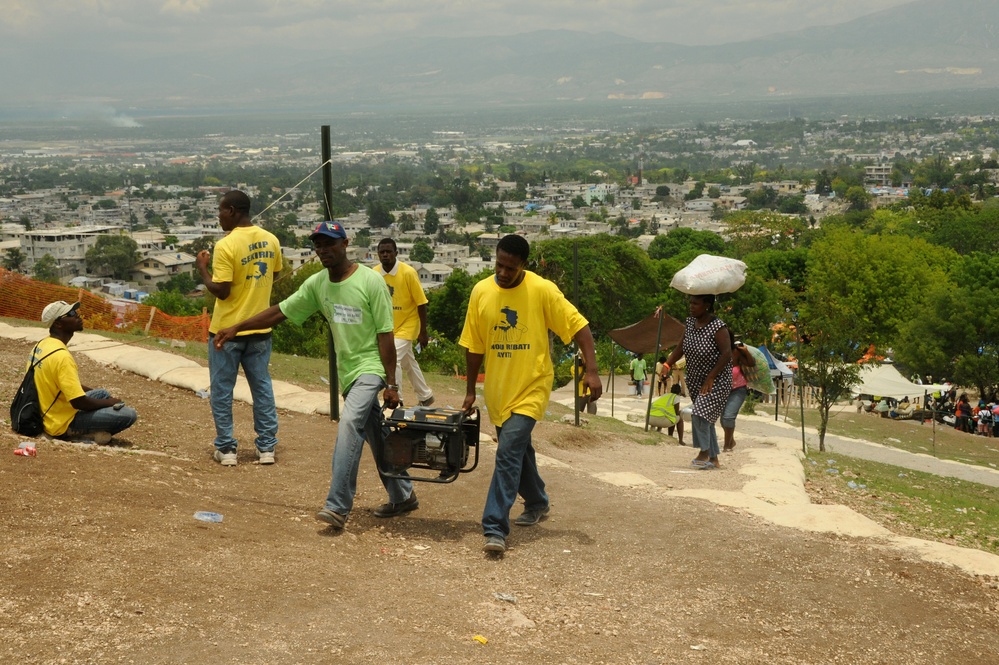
[106,564]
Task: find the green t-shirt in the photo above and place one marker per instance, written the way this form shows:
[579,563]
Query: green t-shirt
[357,309]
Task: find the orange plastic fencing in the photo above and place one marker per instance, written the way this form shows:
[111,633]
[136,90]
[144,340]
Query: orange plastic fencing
[24,298]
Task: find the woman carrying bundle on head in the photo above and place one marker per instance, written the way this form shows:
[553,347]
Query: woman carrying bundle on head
[708,349]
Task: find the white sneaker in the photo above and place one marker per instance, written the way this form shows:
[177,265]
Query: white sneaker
[265,457]
[225,459]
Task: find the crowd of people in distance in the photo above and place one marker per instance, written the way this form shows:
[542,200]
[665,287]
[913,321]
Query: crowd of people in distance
[948,408]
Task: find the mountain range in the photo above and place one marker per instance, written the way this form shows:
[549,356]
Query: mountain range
[920,47]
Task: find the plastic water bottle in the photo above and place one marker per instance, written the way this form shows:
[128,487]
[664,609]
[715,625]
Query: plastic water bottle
[205,516]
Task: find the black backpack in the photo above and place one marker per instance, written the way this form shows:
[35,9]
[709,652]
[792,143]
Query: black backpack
[26,415]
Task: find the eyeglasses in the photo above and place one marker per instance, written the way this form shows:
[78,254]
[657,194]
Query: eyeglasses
[71,315]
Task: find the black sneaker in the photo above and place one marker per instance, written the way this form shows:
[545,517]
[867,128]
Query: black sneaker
[393,509]
[335,520]
[494,544]
[532,517]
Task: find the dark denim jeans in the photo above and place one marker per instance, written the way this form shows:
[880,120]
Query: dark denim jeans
[516,472]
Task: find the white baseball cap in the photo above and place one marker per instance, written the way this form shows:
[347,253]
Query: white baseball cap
[57,309]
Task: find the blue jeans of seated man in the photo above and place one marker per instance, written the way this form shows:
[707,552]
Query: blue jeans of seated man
[102,420]
[733,405]
[361,420]
[516,472]
[223,368]
[705,436]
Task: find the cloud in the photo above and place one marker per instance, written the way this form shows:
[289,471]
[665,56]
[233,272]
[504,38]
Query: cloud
[182,7]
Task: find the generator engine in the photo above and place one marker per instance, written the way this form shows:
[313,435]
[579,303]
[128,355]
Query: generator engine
[432,439]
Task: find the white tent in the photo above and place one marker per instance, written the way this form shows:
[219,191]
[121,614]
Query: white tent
[885,381]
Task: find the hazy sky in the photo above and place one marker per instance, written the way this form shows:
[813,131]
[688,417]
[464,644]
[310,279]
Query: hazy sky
[207,26]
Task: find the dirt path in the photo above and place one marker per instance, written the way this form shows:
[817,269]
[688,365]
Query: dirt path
[105,563]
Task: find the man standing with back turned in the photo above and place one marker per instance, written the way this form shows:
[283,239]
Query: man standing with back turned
[507,323]
[247,261]
[409,313]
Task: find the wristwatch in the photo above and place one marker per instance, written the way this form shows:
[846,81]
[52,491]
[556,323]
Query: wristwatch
[392,387]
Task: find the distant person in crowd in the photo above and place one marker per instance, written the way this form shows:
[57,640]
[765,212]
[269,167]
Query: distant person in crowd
[660,376]
[356,303]
[882,408]
[409,311]
[984,418]
[962,414]
[245,264]
[638,373]
[665,412]
[506,326]
[708,350]
[71,409]
[743,367]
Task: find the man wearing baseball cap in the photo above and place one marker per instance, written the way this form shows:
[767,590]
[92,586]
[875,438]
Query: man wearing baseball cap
[356,303]
[72,409]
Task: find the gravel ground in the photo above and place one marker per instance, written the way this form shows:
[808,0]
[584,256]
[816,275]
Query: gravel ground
[105,563]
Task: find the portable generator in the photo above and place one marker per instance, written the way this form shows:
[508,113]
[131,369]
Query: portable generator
[433,439]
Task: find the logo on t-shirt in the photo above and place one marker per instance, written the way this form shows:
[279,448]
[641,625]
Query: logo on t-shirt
[259,272]
[509,330]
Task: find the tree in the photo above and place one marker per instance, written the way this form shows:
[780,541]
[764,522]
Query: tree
[683,240]
[379,216]
[112,256]
[957,332]
[14,260]
[421,252]
[446,305]
[46,269]
[618,283]
[858,198]
[431,222]
[406,222]
[174,303]
[862,291]
[182,283]
[578,201]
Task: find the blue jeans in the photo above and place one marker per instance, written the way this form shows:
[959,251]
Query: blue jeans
[516,472]
[223,368]
[705,436]
[732,406]
[102,420]
[361,419]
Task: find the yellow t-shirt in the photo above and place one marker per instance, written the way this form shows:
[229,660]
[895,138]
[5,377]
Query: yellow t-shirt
[509,327]
[247,257]
[56,373]
[407,295]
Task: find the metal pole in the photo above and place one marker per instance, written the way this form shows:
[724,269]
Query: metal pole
[652,386]
[575,365]
[327,155]
[801,391]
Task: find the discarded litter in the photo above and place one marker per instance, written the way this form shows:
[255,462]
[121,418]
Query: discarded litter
[830,462]
[832,471]
[903,475]
[205,516]
[203,394]
[324,380]
[26,449]
[480,639]
[852,485]
[506,597]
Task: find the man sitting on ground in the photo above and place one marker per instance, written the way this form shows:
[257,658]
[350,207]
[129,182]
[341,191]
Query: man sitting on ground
[72,409]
